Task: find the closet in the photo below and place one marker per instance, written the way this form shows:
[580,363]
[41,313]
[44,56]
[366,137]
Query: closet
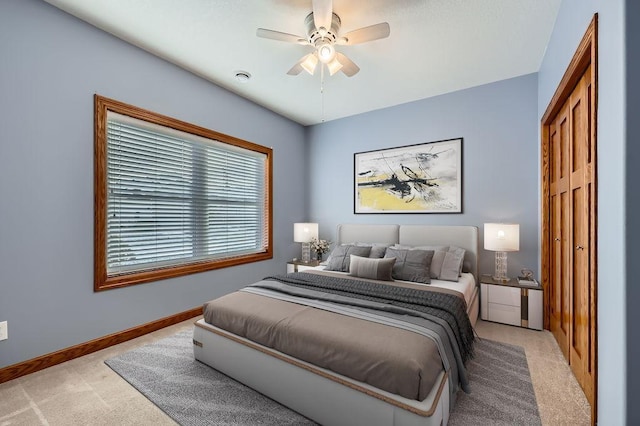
[569,251]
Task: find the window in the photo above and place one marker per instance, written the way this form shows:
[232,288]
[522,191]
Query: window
[172,198]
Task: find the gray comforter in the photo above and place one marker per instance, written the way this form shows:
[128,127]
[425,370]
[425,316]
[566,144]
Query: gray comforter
[450,308]
[397,339]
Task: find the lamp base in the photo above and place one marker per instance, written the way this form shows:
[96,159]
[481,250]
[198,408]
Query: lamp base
[501,267]
[306,252]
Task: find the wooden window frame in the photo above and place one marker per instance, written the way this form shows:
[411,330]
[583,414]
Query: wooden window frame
[103,281]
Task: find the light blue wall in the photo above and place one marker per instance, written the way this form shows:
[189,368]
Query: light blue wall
[500,171]
[51,65]
[632,231]
[572,22]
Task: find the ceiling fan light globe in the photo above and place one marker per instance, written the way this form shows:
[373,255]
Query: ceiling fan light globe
[309,63]
[326,52]
[334,66]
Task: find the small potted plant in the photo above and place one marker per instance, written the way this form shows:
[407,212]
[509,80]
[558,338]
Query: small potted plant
[320,247]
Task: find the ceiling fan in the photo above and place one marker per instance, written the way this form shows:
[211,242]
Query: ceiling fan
[323,28]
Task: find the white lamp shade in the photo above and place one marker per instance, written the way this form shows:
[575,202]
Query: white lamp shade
[305,232]
[502,236]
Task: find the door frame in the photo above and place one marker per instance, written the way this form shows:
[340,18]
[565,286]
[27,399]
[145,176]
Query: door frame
[585,55]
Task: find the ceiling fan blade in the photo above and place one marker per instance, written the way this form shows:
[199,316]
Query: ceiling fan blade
[322,10]
[277,35]
[296,69]
[362,35]
[349,68]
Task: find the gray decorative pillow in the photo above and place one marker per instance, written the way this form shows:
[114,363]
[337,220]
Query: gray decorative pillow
[375,269]
[340,257]
[434,248]
[436,263]
[459,252]
[411,265]
[377,249]
[438,257]
[452,264]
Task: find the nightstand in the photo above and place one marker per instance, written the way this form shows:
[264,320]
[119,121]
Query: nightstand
[510,302]
[299,266]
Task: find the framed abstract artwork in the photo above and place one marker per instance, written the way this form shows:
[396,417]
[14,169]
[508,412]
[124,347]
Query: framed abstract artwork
[421,178]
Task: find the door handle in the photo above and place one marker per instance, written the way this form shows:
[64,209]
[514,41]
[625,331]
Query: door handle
[579,248]
[556,239]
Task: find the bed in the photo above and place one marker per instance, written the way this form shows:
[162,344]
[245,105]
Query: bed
[365,393]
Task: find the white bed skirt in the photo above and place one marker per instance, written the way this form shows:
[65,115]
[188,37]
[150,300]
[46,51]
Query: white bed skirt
[319,394]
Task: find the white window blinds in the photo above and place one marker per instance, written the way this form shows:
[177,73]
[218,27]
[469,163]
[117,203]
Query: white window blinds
[175,198]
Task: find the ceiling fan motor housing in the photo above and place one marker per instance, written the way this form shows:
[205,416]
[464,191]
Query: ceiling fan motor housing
[316,36]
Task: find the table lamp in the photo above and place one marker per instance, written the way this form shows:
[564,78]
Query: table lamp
[501,238]
[304,233]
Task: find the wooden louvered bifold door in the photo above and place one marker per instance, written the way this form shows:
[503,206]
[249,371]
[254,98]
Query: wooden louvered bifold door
[560,243]
[572,228]
[569,215]
[581,357]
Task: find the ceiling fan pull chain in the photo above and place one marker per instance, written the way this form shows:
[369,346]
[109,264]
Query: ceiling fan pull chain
[322,94]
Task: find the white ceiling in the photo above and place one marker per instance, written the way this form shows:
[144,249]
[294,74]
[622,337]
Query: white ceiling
[435,46]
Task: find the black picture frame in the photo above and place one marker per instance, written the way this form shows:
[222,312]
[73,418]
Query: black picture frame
[420,178]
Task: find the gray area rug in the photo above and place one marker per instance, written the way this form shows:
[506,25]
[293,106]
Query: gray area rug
[195,394]
[501,389]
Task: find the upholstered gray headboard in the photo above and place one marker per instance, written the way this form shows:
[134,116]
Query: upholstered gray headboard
[383,234]
[414,235]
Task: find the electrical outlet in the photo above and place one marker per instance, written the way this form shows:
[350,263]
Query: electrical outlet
[4,332]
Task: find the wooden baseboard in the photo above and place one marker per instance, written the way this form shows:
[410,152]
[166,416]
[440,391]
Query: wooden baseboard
[36,364]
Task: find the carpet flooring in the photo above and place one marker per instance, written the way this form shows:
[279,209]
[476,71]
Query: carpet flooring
[194,394]
[501,389]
